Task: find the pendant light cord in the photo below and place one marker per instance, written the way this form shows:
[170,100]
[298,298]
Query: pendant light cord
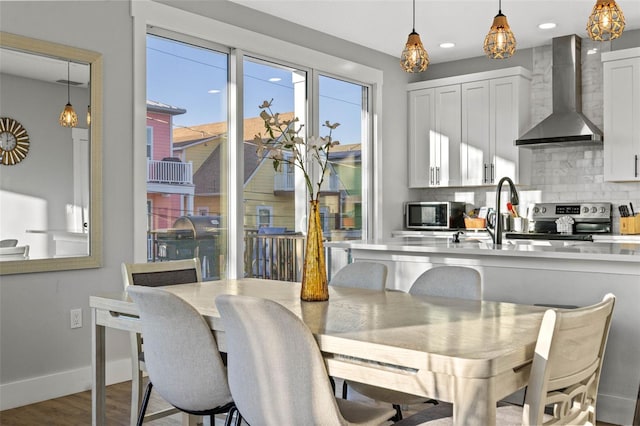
[499,6]
[68,83]
[414,16]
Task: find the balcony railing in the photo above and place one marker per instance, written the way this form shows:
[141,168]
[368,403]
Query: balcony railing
[276,257]
[286,182]
[171,172]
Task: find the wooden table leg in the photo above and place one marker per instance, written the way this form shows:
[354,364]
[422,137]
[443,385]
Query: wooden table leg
[98,383]
[474,402]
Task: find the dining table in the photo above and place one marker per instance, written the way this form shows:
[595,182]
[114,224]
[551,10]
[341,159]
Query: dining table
[467,352]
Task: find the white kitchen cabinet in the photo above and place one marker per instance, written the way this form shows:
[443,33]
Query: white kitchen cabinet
[475,148]
[476,119]
[621,71]
[434,137]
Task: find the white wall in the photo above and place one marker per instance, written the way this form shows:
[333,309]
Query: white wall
[40,356]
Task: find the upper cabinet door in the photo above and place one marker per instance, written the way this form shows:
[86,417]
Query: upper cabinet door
[447,130]
[506,122]
[621,115]
[475,152]
[422,138]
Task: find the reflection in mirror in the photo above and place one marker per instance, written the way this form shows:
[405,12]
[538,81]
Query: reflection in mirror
[50,187]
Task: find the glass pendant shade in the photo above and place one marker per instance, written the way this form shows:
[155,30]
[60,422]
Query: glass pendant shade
[68,117]
[414,57]
[500,43]
[606,21]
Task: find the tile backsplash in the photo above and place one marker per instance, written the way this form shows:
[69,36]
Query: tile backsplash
[573,173]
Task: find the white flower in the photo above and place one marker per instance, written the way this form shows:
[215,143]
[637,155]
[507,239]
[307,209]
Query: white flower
[282,135]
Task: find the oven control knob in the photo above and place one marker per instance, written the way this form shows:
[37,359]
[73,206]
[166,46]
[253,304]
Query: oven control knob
[585,210]
[594,210]
[603,210]
[536,210]
[544,210]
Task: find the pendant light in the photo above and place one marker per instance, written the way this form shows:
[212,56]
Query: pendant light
[500,43]
[606,21]
[68,117]
[414,58]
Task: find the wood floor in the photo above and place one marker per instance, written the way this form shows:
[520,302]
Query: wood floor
[75,410]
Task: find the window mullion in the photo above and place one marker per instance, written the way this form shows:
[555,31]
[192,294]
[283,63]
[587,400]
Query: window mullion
[235,161]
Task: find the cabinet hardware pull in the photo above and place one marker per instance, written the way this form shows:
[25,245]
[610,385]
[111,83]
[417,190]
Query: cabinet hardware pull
[492,178]
[484,178]
[437,175]
[431,175]
[636,166]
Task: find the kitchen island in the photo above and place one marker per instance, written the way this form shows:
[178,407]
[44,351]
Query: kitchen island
[573,273]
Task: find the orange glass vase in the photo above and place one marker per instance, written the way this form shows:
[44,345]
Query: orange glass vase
[314,273]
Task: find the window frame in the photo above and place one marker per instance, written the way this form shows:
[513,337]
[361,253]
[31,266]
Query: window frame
[244,41]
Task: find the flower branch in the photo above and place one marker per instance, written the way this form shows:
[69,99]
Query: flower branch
[284,136]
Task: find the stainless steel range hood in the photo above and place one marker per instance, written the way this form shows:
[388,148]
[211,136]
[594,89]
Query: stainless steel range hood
[566,125]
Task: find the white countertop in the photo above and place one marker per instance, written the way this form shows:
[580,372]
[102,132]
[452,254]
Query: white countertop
[478,233]
[574,250]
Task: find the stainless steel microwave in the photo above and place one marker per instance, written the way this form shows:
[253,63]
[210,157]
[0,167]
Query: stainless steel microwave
[434,215]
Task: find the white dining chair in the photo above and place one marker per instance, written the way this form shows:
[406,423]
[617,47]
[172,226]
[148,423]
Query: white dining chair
[443,281]
[9,242]
[153,274]
[14,252]
[181,356]
[368,275]
[460,282]
[565,372]
[277,374]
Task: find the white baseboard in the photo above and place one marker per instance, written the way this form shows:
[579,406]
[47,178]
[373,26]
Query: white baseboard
[36,389]
[615,410]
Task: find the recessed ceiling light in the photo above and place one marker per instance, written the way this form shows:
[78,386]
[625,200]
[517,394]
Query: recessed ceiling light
[213,91]
[274,79]
[447,45]
[592,51]
[547,26]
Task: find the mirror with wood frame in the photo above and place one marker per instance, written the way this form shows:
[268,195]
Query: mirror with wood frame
[50,174]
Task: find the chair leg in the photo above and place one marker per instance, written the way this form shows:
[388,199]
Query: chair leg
[145,402]
[136,393]
[230,414]
[230,417]
[398,415]
[344,389]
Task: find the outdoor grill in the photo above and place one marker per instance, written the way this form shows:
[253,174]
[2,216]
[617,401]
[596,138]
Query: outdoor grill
[193,236]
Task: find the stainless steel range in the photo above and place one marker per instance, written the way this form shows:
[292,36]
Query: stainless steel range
[588,218]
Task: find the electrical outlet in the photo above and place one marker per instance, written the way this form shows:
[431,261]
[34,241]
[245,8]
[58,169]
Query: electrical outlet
[76,318]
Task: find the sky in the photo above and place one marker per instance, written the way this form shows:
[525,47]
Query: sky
[195,79]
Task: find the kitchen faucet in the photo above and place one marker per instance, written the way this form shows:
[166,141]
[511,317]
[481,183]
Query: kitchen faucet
[496,235]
